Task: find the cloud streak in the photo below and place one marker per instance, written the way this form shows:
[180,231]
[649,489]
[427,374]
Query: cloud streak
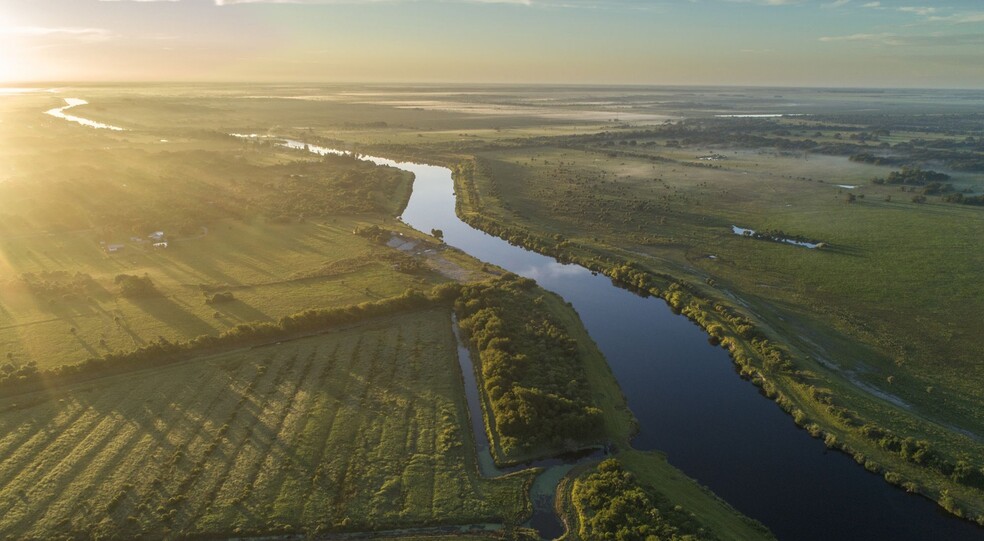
[329,2]
[961,18]
[77,33]
[922,11]
[896,40]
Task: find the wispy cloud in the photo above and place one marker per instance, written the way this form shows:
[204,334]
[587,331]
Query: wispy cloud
[961,18]
[769,2]
[837,3]
[884,37]
[922,11]
[235,2]
[872,5]
[315,2]
[896,40]
[68,32]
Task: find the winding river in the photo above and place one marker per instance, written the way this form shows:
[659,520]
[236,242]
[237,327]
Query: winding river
[692,405]
[688,399]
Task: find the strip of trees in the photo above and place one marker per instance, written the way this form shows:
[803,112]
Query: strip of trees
[531,369]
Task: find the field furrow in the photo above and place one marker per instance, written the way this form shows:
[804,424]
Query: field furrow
[352,430]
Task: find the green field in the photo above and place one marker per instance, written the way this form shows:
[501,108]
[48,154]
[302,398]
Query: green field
[271,226]
[358,429]
[272,270]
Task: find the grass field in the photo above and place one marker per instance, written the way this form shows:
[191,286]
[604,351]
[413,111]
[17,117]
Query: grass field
[271,226]
[272,270]
[353,430]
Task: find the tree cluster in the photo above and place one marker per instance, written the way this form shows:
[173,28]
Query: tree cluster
[613,505]
[59,283]
[912,176]
[531,368]
[132,286]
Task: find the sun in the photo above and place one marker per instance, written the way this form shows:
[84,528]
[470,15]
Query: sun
[14,66]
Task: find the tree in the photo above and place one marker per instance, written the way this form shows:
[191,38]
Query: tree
[438,234]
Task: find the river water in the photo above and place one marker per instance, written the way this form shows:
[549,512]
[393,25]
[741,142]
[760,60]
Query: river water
[692,405]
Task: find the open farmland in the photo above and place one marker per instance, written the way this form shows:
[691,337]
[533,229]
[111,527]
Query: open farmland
[357,429]
[267,228]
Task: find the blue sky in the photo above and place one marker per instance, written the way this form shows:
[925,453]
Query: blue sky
[729,42]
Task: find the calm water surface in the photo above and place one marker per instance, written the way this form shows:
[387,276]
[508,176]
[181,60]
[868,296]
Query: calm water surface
[692,405]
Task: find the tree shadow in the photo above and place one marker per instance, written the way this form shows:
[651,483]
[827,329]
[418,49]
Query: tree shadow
[240,311]
[840,249]
[173,315]
[85,345]
[122,325]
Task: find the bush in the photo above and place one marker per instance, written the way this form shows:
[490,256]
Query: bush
[219,298]
[136,286]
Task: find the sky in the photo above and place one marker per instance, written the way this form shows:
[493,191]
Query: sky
[830,43]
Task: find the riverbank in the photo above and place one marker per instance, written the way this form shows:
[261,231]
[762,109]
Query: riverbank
[875,434]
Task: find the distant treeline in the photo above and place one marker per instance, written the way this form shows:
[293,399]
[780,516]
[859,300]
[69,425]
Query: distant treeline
[531,370]
[932,183]
[858,142]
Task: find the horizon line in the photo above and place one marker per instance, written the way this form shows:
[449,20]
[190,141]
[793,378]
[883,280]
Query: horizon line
[49,83]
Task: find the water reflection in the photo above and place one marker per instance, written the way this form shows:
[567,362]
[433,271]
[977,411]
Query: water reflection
[75,102]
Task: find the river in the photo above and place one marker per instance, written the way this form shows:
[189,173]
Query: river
[692,405]
[688,399]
